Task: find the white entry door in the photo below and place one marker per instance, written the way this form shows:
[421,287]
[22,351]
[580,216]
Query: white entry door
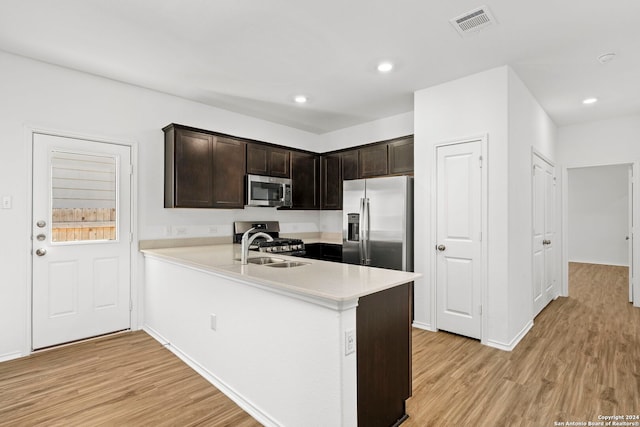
[544,234]
[458,234]
[81,239]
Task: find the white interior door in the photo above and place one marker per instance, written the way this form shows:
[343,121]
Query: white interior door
[81,239]
[544,233]
[630,232]
[458,234]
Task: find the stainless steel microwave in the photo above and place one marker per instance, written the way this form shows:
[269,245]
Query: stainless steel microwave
[268,191]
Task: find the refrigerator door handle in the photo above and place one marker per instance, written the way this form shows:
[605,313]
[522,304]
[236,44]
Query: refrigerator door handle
[362,236]
[367,230]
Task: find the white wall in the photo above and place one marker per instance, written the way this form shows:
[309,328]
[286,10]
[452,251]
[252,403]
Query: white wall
[530,128]
[600,142]
[378,130]
[494,103]
[598,215]
[469,107]
[49,97]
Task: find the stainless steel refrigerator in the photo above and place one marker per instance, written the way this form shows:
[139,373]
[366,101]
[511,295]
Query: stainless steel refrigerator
[378,222]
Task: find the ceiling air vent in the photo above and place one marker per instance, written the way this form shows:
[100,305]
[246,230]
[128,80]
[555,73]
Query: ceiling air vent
[473,21]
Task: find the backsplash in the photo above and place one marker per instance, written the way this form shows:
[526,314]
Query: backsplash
[189,223]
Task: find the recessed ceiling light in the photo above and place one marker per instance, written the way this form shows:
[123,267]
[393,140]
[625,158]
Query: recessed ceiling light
[385,67]
[300,99]
[590,101]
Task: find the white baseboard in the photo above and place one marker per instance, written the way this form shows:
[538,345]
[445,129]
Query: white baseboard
[10,356]
[245,404]
[514,342]
[424,326]
[615,264]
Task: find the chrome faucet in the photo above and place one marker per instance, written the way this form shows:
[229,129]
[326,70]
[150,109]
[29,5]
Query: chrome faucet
[246,242]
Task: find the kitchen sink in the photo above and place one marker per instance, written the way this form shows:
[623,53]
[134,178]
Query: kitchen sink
[265,260]
[286,264]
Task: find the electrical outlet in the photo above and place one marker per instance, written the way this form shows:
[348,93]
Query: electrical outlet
[349,342]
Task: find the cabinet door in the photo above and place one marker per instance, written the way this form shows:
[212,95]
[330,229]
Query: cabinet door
[228,173]
[305,180]
[266,160]
[193,169]
[401,156]
[350,165]
[373,161]
[257,159]
[279,162]
[383,349]
[331,175]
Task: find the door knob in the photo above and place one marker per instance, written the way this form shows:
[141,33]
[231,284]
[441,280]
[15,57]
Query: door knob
[441,247]
[41,252]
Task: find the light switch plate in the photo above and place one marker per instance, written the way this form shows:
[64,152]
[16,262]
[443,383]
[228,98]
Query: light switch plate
[214,322]
[349,342]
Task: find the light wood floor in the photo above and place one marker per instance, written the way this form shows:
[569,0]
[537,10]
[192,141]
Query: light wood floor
[121,380]
[581,359]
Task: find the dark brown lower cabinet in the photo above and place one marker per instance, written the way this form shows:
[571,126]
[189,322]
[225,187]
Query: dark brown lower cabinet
[383,343]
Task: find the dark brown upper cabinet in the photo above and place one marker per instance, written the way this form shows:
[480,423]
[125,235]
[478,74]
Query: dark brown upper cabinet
[228,173]
[391,157]
[401,156]
[203,170]
[350,164]
[373,161]
[331,182]
[305,180]
[263,159]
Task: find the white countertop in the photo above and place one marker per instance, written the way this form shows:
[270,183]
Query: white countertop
[319,279]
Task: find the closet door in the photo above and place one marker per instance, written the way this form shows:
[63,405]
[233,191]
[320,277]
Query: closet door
[544,233]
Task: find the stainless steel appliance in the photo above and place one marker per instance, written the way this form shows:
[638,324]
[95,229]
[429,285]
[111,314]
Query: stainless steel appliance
[279,245]
[268,191]
[378,222]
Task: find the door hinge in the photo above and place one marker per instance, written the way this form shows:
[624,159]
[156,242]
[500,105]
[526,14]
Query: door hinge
[480,310]
[130,237]
[130,169]
[480,160]
[130,305]
[480,236]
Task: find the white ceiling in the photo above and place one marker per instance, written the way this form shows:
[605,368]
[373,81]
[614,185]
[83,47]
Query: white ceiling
[253,56]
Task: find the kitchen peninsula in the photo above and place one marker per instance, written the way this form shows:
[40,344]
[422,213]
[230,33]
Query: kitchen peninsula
[321,343]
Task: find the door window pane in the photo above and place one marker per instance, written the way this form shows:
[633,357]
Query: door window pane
[83,197]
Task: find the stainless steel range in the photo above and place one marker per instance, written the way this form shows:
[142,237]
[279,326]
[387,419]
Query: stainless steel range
[284,246]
